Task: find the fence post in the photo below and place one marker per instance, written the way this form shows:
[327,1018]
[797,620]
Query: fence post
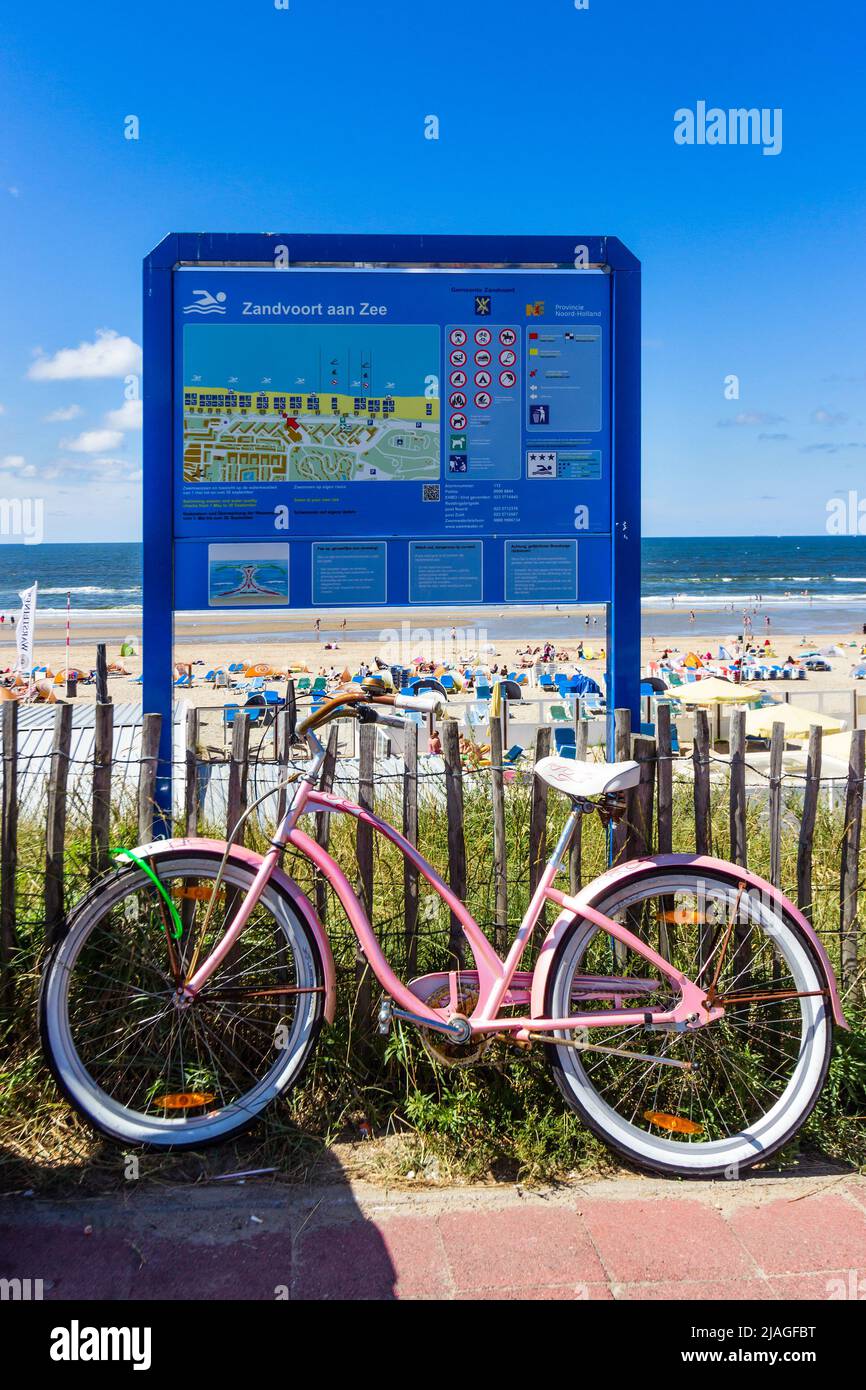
[456,840]
[581,737]
[807,822]
[500,846]
[538,817]
[410,830]
[364,854]
[291,709]
[55,833]
[849,877]
[621,753]
[190,784]
[737,816]
[640,814]
[664,754]
[323,819]
[282,751]
[102,695]
[236,796]
[147,774]
[701,761]
[9,848]
[103,753]
[774,809]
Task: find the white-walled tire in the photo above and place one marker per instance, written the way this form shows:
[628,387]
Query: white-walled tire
[759,1070]
[242,1048]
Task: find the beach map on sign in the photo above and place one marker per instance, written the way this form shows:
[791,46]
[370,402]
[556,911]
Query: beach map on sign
[268,403]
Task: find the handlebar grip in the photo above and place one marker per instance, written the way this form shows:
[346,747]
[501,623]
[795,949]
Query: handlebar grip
[427,703]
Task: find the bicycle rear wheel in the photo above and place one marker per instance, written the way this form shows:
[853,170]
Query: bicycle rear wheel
[751,1078]
[137,1065]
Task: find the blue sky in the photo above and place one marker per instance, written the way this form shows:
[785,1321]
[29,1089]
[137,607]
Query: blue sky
[552,119]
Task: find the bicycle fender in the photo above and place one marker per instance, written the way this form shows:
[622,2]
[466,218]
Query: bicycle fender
[281,881]
[633,868]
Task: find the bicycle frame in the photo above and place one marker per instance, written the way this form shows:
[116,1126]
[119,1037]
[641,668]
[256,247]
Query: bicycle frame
[495,974]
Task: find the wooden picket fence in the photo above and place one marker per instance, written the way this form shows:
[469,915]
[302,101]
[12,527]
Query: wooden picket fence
[647,827]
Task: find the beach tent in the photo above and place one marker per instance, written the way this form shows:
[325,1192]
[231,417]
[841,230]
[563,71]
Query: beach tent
[715,691]
[693,662]
[127,647]
[585,685]
[796,719]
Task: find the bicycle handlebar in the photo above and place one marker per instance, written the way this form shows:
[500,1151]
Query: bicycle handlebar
[427,703]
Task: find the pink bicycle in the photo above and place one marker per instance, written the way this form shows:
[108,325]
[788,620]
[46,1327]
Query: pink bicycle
[686,1005]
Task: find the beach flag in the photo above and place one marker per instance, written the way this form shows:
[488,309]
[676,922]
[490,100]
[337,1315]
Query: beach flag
[24,635]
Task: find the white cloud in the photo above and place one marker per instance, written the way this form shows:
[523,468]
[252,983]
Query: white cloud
[13,191]
[64,412]
[92,441]
[109,355]
[15,461]
[2,408]
[128,417]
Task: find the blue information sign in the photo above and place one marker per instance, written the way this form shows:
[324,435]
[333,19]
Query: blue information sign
[391,421]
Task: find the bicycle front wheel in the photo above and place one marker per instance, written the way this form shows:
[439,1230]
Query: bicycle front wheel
[750,1079]
[137,1065]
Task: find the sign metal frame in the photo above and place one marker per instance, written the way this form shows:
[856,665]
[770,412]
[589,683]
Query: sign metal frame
[373,251]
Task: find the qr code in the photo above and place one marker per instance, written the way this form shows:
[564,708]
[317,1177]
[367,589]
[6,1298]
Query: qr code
[431,492]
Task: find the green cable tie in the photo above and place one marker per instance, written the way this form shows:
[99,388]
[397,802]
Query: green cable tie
[146,869]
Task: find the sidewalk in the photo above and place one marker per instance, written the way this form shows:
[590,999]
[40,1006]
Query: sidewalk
[626,1238]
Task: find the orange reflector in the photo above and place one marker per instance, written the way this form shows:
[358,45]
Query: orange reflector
[185,1100]
[677,1123]
[200,893]
[681,917]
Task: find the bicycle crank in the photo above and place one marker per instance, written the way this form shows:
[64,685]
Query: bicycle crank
[611,1051]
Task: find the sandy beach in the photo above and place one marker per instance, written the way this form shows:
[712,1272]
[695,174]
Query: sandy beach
[288,642]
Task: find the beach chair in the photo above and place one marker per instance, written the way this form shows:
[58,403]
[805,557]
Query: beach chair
[302,687]
[256,684]
[184,680]
[513,754]
[229,713]
[559,714]
[566,742]
[448,682]
[483,690]
[546,682]
[319,686]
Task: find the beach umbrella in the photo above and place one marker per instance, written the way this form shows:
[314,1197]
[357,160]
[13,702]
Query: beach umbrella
[715,691]
[837,746]
[796,719]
